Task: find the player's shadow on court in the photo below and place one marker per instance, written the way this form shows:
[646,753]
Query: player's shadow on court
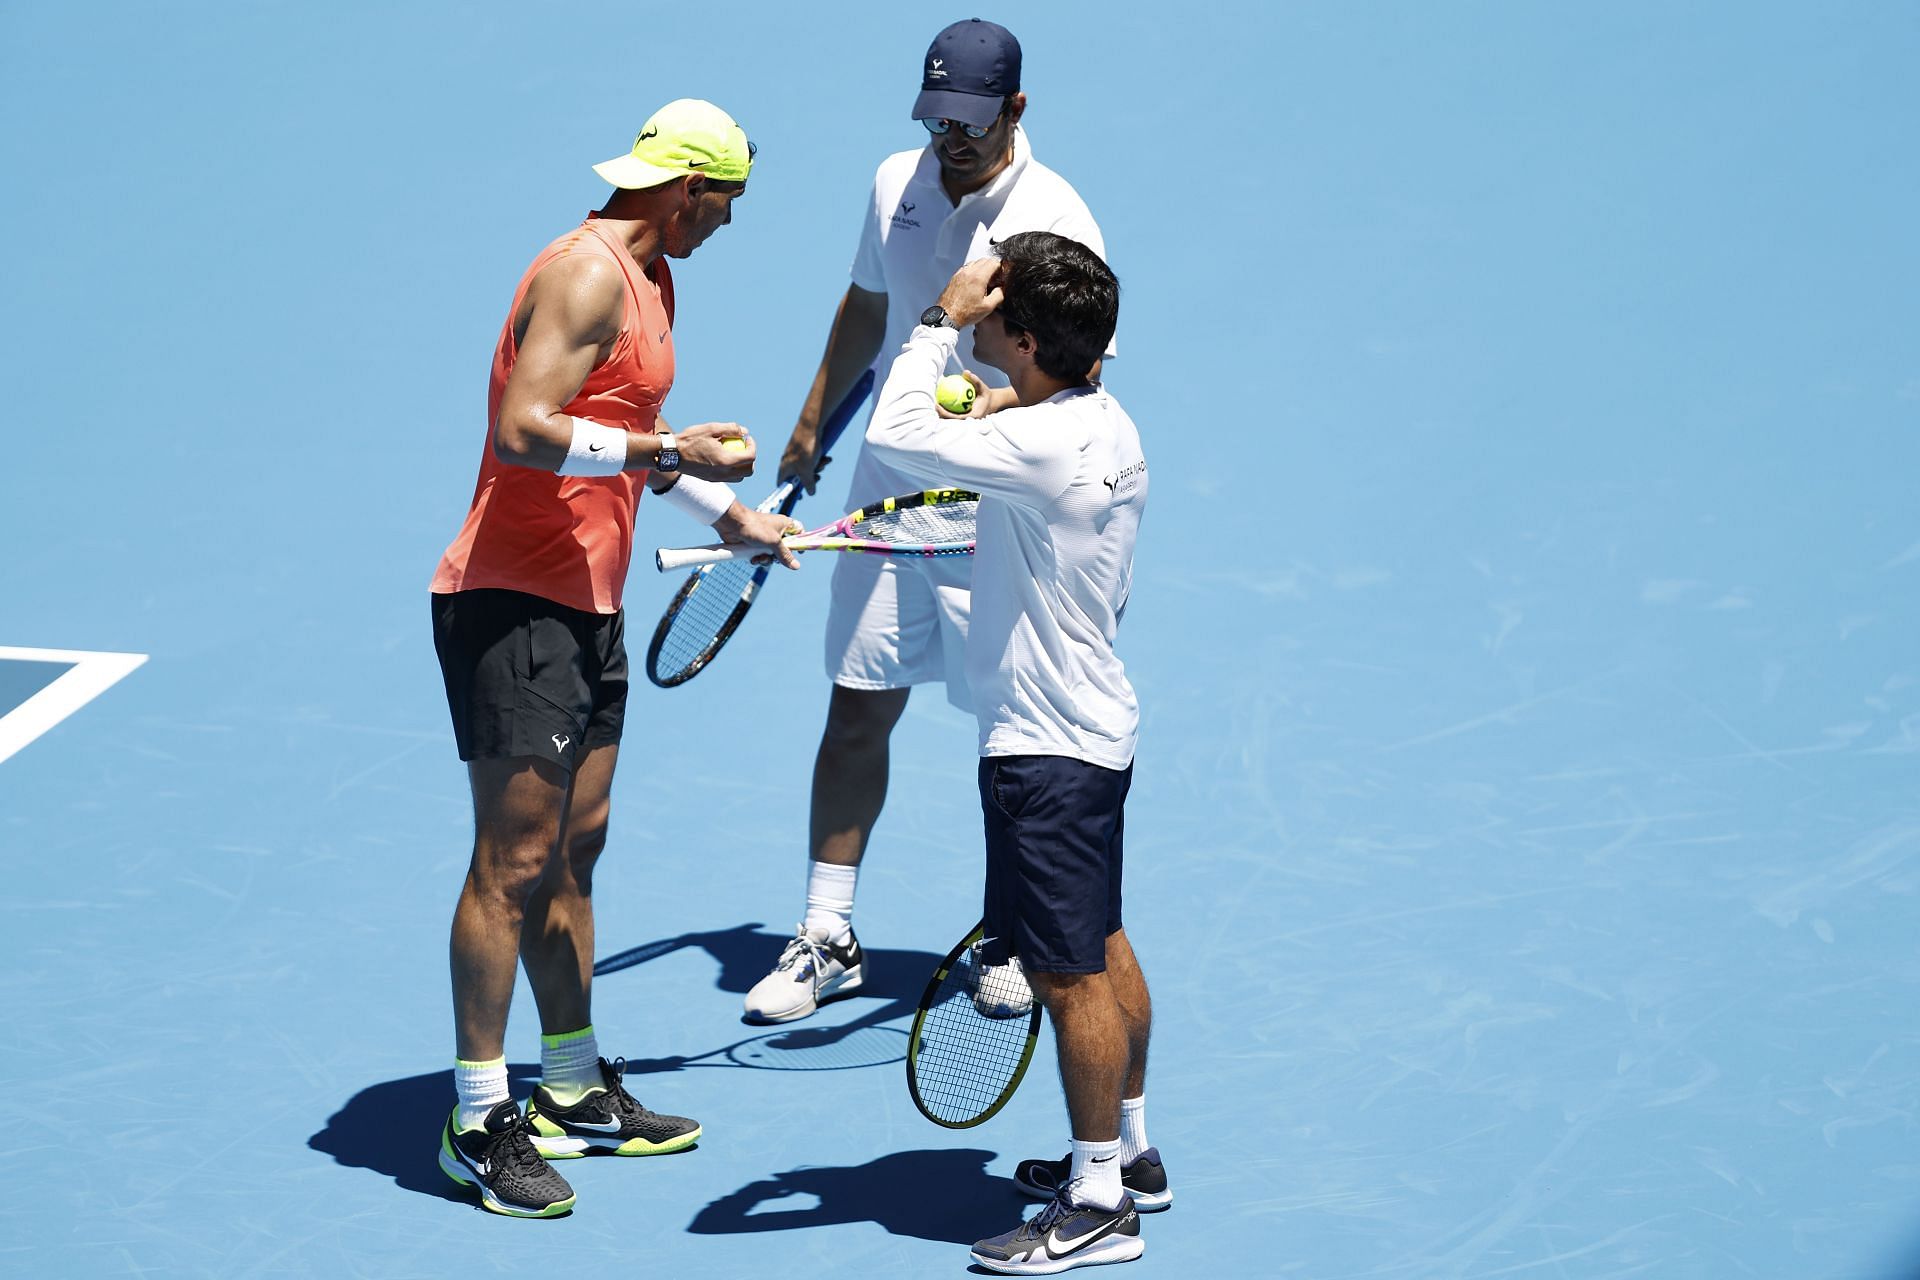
[946,1196]
[745,953]
[1908,1265]
[393,1128]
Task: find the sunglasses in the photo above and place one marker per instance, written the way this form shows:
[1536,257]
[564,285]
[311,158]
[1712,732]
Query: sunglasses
[938,126]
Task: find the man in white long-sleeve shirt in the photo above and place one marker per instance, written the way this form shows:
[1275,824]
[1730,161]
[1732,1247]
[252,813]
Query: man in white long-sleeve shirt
[892,626]
[1062,483]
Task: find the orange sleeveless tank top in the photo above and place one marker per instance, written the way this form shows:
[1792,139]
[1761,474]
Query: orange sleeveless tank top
[569,538]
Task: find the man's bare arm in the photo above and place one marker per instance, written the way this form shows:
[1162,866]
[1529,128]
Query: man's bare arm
[859,324]
[571,316]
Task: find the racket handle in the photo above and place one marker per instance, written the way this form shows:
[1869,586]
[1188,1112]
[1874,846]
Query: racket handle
[667,559]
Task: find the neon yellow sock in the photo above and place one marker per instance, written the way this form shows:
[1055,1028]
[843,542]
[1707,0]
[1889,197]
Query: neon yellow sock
[570,1065]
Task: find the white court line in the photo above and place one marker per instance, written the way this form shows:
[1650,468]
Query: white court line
[91,675]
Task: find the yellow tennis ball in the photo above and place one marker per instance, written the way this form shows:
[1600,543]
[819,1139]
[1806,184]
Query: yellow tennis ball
[736,443]
[954,393]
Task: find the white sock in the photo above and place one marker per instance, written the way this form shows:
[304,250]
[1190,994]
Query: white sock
[1094,1178]
[1133,1129]
[830,899]
[570,1065]
[482,1086]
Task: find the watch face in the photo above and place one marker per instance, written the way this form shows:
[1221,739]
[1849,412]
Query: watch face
[934,317]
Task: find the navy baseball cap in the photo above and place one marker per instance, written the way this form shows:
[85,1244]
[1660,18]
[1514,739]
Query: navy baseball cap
[971,69]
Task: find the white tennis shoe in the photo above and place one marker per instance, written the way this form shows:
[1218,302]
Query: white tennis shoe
[1000,990]
[811,971]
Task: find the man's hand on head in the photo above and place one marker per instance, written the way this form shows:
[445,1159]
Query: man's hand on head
[973,293]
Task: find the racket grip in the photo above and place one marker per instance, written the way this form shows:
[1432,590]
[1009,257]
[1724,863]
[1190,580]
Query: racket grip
[667,559]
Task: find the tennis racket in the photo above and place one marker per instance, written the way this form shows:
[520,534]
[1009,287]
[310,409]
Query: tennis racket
[972,1038]
[710,605]
[933,522]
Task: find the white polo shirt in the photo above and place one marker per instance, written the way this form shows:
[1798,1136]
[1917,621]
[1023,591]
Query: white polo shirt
[915,238]
[1062,487]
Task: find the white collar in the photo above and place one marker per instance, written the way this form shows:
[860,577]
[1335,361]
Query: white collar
[928,170]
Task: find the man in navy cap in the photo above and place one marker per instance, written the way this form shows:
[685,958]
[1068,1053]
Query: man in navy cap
[893,625]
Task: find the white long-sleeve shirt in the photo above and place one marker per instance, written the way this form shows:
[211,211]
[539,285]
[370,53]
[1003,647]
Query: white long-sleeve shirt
[914,237]
[1062,487]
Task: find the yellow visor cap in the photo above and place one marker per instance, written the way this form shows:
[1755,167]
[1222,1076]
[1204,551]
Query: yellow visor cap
[685,136]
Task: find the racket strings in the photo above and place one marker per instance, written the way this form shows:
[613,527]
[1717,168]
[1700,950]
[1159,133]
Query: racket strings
[694,631]
[966,1061]
[928,523]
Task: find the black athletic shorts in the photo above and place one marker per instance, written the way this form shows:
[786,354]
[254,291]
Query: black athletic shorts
[1054,827]
[528,677]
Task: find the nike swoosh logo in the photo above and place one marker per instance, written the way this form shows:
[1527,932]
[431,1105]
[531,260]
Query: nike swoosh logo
[695,164]
[597,1126]
[595,448]
[1053,1238]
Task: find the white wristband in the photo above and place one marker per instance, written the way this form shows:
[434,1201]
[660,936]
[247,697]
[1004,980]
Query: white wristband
[597,450]
[704,500]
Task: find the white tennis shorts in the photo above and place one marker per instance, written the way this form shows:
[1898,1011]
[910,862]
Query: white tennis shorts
[894,622]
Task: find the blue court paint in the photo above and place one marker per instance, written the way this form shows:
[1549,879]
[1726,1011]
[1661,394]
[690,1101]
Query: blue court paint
[1524,849]
[20,680]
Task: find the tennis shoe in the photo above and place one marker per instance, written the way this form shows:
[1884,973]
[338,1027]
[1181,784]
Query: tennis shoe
[501,1161]
[1000,990]
[1062,1236]
[606,1119]
[811,971]
[1145,1179]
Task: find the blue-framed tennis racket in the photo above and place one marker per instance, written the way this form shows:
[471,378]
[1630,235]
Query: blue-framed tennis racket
[710,605]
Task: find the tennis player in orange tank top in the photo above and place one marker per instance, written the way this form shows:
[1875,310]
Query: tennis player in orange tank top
[530,634]
[569,538]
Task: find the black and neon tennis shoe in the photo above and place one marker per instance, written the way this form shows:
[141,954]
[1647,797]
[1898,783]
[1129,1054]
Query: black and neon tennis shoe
[501,1162]
[606,1119]
[1145,1179]
[1062,1236]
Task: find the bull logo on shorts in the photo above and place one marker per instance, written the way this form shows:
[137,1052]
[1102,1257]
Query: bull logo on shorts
[560,743]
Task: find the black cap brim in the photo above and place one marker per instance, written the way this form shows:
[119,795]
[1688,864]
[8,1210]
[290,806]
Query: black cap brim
[967,108]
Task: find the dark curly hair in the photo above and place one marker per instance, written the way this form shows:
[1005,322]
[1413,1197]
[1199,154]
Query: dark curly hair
[1060,292]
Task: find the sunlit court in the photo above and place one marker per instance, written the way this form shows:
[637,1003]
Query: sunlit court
[1522,847]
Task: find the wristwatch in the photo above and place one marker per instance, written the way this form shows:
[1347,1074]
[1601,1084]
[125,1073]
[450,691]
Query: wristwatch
[669,459]
[936,317]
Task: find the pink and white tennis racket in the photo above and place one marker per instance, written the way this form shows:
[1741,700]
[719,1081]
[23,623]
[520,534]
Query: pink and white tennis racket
[934,522]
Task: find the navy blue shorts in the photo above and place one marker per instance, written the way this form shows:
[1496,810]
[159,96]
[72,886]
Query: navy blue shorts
[1054,826]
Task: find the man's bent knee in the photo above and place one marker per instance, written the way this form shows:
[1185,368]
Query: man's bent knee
[857,717]
[584,848]
[506,874]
